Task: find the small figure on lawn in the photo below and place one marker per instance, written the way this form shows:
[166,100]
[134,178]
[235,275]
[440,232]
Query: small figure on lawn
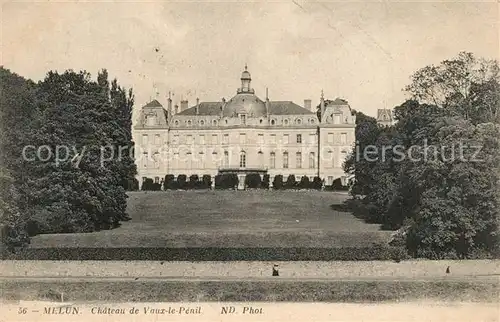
[275,271]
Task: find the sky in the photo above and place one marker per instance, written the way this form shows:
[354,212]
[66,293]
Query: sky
[364,52]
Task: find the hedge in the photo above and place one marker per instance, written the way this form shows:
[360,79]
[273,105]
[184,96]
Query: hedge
[253,181]
[278,182]
[226,181]
[214,254]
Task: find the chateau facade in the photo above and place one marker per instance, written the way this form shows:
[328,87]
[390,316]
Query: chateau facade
[244,135]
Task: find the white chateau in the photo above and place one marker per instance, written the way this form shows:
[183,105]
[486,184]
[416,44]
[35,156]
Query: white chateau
[244,134]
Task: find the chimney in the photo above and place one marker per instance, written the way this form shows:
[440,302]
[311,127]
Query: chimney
[169,106]
[176,109]
[197,109]
[184,105]
[308,105]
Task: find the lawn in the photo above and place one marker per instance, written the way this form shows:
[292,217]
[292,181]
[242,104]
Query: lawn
[236,291]
[179,219]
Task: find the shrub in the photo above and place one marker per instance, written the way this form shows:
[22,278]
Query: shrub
[226,181]
[337,185]
[147,184]
[252,180]
[206,181]
[181,181]
[304,183]
[317,183]
[265,182]
[278,182]
[291,183]
[193,182]
[169,182]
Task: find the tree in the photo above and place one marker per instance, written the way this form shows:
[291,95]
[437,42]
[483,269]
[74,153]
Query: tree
[278,182]
[304,183]
[181,181]
[193,181]
[207,181]
[169,182]
[460,85]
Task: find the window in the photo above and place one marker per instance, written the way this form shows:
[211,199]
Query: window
[214,139]
[298,121]
[272,138]
[337,118]
[189,139]
[311,121]
[189,160]
[330,138]
[261,121]
[176,123]
[202,139]
[260,157]
[285,160]
[157,139]
[214,122]
[214,159]
[202,122]
[272,160]
[243,138]
[226,158]
[312,160]
[145,139]
[330,159]
[144,179]
[343,138]
[285,122]
[156,159]
[273,122]
[243,159]
[189,123]
[312,139]
[343,156]
[145,158]
[243,119]
[151,120]
[260,139]
[175,140]
[225,139]
[201,160]
[157,179]
[330,180]
[285,139]
[298,160]
[299,138]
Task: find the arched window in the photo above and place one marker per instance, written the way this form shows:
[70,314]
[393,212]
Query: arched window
[312,160]
[226,158]
[298,121]
[243,159]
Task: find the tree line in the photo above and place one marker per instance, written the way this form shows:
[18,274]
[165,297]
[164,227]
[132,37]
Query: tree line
[39,192]
[445,203]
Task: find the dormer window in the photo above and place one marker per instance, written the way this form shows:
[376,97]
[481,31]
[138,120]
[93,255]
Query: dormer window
[176,123]
[243,119]
[202,122]
[189,123]
[151,120]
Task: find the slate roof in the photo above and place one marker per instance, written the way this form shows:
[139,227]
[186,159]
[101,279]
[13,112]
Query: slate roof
[153,103]
[338,101]
[275,108]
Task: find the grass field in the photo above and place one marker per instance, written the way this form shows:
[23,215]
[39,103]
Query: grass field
[230,219]
[209,291]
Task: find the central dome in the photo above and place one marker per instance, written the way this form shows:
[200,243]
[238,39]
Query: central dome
[245,103]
